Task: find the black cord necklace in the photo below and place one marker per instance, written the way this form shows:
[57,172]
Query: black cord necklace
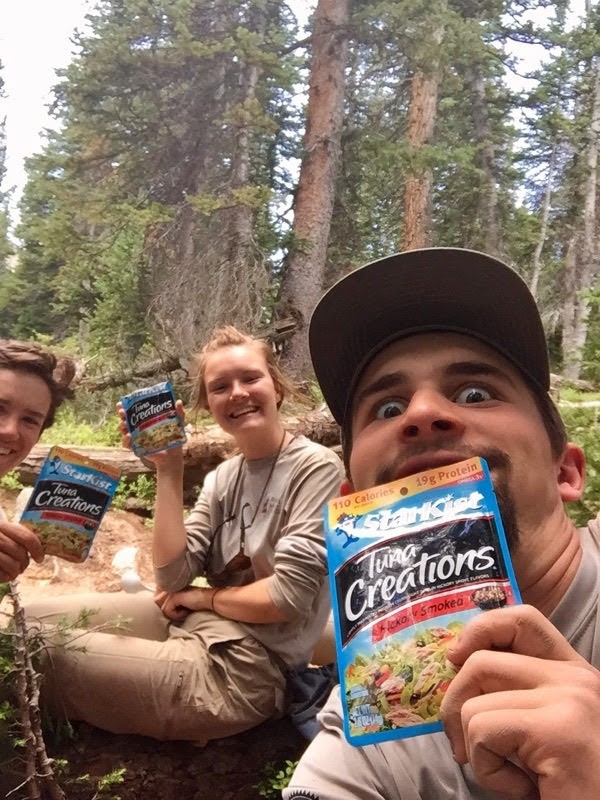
[240,562]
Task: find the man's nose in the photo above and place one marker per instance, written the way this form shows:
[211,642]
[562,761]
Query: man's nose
[429,413]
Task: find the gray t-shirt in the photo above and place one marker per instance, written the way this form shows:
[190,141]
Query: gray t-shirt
[422,768]
[284,539]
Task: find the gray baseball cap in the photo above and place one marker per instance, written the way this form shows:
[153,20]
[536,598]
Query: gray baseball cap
[433,289]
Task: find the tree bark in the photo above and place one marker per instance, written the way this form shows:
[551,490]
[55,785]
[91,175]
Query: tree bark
[486,161]
[583,274]
[537,256]
[241,282]
[422,112]
[303,279]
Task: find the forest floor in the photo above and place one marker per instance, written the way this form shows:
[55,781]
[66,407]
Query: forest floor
[228,769]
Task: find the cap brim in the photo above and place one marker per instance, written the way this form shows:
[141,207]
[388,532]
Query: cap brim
[436,288]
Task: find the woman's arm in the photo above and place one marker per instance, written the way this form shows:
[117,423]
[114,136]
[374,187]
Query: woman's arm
[300,564]
[251,603]
[299,557]
[170,536]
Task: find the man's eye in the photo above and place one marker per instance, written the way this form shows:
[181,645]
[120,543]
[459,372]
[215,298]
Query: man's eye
[473,394]
[389,409]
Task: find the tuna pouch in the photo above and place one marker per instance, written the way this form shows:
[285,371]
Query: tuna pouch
[410,563]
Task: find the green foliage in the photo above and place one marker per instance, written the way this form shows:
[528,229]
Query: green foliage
[143,488]
[274,779]
[143,191]
[10,481]
[251,196]
[107,782]
[6,248]
[69,430]
[583,427]
[162,206]
[100,788]
[56,729]
[9,733]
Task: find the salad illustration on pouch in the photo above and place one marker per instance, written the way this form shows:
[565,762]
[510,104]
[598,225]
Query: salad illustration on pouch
[69,499]
[152,419]
[410,563]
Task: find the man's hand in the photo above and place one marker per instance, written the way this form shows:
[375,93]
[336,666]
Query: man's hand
[17,545]
[177,605]
[524,709]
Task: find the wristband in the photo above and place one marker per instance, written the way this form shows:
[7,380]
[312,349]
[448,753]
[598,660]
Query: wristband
[212,599]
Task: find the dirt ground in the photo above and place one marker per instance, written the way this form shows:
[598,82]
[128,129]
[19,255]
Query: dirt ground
[55,576]
[226,768]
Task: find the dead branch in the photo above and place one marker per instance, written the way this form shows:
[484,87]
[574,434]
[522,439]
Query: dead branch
[161,367]
[38,766]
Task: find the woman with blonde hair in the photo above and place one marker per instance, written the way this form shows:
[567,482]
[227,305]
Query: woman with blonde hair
[210,661]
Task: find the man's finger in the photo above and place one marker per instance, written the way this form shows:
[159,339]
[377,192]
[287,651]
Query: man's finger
[456,724]
[9,568]
[495,736]
[520,629]
[17,544]
[495,673]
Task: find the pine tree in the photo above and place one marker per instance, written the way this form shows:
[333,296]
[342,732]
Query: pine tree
[6,249]
[171,109]
[303,280]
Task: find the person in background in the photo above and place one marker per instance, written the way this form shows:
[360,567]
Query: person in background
[33,384]
[202,662]
[440,355]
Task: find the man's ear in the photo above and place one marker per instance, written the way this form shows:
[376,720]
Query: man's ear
[346,488]
[571,473]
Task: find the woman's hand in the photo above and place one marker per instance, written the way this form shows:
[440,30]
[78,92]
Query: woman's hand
[177,605]
[524,709]
[163,459]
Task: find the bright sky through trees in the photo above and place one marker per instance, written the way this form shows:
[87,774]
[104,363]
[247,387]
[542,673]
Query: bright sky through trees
[34,42]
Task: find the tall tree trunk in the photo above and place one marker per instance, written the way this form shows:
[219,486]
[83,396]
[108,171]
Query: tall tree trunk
[486,162]
[570,306]
[587,269]
[241,283]
[422,113]
[537,256]
[303,280]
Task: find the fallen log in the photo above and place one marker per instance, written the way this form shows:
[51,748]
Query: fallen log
[205,448]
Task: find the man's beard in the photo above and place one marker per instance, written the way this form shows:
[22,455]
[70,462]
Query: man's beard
[500,466]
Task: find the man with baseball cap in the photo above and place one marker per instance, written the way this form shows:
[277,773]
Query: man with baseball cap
[426,358]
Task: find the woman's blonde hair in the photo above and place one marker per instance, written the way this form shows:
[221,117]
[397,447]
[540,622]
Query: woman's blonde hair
[228,336]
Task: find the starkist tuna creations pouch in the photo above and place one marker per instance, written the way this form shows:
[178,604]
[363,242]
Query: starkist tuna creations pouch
[152,419]
[69,499]
[410,563]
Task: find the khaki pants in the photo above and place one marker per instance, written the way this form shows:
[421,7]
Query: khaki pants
[201,679]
